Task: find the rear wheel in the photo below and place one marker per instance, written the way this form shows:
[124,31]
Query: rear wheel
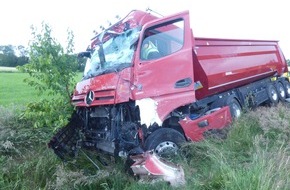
[286,86]
[165,142]
[281,91]
[273,95]
[235,107]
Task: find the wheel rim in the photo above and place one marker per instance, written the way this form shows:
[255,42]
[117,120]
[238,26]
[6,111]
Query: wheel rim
[274,95]
[282,91]
[237,110]
[288,89]
[166,149]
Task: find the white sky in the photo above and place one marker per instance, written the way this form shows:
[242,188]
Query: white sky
[246,19]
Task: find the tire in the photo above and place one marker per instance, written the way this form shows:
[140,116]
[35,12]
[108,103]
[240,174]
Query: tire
[286,86]
[165,142]
[235,107]
[281,91]
[272,95]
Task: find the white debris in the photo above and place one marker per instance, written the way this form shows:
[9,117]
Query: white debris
[148,111]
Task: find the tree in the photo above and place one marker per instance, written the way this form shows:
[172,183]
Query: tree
[12,56]
[8,49]
[8,60]
[23,52]
[288,62]
[52,71]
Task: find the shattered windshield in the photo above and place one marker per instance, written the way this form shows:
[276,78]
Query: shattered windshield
[113,52]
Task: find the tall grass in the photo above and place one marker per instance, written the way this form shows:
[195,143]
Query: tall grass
[25,161]
[256,155]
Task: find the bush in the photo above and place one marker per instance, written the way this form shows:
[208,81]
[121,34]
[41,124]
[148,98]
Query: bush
[52,72]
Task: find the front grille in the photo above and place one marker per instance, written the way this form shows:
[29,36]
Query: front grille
[104,97]
[100,98]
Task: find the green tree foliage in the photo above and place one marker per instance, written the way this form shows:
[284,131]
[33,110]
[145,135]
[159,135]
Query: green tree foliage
[9,58]
[7,49]
[81,63]
[288,62]
[52,71]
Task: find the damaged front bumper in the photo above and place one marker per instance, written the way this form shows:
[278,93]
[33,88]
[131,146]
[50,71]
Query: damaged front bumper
[149,166]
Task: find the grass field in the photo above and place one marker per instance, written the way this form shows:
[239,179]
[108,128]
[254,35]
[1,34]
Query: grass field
[255,156]
[14,91]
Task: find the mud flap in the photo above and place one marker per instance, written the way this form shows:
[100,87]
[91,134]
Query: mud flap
[149,166]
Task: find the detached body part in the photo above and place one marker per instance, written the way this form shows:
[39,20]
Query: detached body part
[150,84]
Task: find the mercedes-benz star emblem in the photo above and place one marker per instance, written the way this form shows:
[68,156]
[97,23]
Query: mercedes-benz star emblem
[90,97]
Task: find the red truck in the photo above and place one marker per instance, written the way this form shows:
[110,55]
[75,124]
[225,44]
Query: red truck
[150,84]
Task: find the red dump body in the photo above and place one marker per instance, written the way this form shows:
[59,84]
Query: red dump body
[223,64]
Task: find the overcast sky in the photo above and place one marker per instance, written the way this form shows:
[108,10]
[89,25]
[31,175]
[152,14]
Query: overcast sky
[246,19]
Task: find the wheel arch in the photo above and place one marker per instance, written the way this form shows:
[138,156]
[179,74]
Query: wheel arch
[173,123]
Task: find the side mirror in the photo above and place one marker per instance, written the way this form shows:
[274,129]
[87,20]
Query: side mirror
[84,54]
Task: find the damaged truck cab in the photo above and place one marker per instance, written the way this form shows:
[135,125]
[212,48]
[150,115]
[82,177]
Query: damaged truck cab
[149,84]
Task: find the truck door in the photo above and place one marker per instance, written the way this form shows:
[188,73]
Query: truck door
[163,61]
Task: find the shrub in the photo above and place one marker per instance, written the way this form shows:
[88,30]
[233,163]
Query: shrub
[51,70]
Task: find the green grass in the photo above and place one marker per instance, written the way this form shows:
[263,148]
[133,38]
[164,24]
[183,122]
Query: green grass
[255,156]
[14,91]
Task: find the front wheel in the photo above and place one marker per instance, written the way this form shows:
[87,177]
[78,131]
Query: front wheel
[165,142]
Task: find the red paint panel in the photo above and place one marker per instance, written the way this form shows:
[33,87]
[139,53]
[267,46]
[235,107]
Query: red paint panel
[168,103]
[233,42]
[123,90]
[224,64]
[216,120]
[158,77]
[104,88]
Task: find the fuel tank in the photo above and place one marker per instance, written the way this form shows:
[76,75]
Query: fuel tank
[223,64]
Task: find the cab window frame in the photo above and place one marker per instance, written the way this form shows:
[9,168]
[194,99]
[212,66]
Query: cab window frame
[162,39]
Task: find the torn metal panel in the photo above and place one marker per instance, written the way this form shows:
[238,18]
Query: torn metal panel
[194,129]
[150,166]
